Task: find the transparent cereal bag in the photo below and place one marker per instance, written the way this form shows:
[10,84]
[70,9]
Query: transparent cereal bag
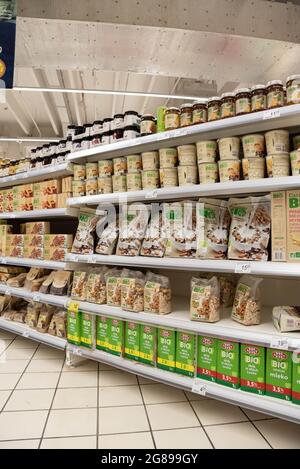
[247,305]
[157,294]
[132,291]
[205,299]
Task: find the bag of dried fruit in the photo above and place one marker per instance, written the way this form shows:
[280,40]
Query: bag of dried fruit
[132,291]
[205,299]
[157,294]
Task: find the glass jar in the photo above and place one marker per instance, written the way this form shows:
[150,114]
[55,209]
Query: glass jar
[148,125]
[96,140]
[227,105]
[242,101]
[172,118]
[97,127]
[76,145]
[258,98]
[71,129]
[275,94]
[118,121]
[186,115]
[117,134]
[106,137]
[62,145]
[130,131]
[131,118]
[69,144]
[85,142]
[87,129]
[293,89]
[213,108]
[39,160]
[12,167]
[106,125]
[199,112]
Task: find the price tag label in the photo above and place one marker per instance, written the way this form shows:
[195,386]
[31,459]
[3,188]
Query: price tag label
[163,135]
[12,215]
[3,260]
[92,260]
[73,257]
[180,132]
[281,343]
[73,306]
[76,351]
[199,387]
[7,291]
[36,297]
[151,194]
[271,114]
[25,334]
[243,268]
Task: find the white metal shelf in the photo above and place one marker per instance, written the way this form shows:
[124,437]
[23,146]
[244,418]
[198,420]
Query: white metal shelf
[42,263]
[287,116]
[267,268]
[269,405]
[198,190]
[55,300]
[25,331]
[38,174]
[44,214]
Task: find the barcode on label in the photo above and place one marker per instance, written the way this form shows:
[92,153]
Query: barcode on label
[199,388]
[278,256]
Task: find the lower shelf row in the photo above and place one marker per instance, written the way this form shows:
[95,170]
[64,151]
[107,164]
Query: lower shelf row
[249,367]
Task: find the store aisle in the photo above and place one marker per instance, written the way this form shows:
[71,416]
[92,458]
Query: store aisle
[45,404]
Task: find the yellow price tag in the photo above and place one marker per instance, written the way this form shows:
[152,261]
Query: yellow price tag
[73,306]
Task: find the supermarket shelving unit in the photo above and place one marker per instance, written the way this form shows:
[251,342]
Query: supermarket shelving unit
[40,214]
[38,174]
[42,263]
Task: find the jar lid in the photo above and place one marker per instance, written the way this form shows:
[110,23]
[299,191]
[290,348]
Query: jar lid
[227,95]
[107,119]
[293,77]
[173,109]
[242,90]
[131,127]
[72,126]
[148,116]
[53,144]
[118,116]
[200,102]
[33,150]
[131,113]
[274,82]
[97,122]
[96,136]
[185,105]
[214,98]
[87,125]
[258,87]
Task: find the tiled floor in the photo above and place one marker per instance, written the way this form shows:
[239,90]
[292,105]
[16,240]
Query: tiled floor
[45,404]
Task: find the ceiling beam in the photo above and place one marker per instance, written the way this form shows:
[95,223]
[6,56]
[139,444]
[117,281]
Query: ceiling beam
[18,112]
[61,82]
[114,100]
[48,101]
[149,90]
[77,99]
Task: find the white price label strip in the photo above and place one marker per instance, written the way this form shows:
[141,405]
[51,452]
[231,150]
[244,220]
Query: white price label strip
[7,291]
[25,334]
[36,297]
[279,343]
[243,268]
[151,194]
[199,387]
[92,260]
[271,114]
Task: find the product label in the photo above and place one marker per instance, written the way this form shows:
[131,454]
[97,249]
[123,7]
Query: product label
[253,368]
[185,353]
[115,336]
[279,374]
[148,344]
[87,330]
[102,333]
[166,349]
[207,358]
[74,327]
[132,341]
[199,116]
[228,364]
[296,379]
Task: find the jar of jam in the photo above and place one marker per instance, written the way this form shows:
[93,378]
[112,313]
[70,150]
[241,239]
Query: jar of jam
[199,112]
[131,131]
[106,125]
[71,129]
[131,118]
[242,101]
[76,145]
[258,98]
[39,159]
[186,115]
[118,121]
[213,108]
[172,118]
[96,140]
[117,134]
[97,127]
[227,105]
[148,125]
[293,89]
[106,137]
[275,94]
[12,167]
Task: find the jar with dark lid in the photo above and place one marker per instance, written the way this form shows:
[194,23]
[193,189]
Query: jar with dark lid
[85,142]
[46,160]
[87,129]
[106,137]
[131,118]
[118,121]
[242,101]
[97,127]
[258,98]
[33,158]
[96,140]
[76,145]
[62,144]
[106,124]
[131,131]
[227,105]
[148,124]
[213,108]
[199,112]
[39,160]
[79,130]
[186,115]
[172,118]
[117,134]
[71,129]
[293,89]
[12,167]
[275,94]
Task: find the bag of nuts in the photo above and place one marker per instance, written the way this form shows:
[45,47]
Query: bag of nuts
[132,291]
[113,287]
[157,294]
[96,287]
[155,241]
[78,291]
[84,239]
[133,225]
[108,238]
[205,299]
[180,228]
[246,305]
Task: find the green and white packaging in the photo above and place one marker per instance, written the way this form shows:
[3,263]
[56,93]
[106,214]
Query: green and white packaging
[148,342]
[87,330]
[279,374]
[115,336]
[166,349]
[253,370]
[207,358]
[102,333]
[228,363]
[132,341]
[296,378]
[185,353]
[74,327]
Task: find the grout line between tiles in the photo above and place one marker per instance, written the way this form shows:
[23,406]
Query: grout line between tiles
[145,408]
[201,426]
[98,411]
[253,424]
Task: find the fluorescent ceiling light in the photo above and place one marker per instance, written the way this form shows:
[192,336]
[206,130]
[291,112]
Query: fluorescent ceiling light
[109,92]
[30,139]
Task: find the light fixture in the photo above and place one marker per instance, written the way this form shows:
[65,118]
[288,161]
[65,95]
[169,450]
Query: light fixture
[30,139]
[109,92]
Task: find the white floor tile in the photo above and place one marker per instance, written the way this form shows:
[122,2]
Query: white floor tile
[86,365]
[6,335]
[20,444]
[171,416]
[75,398]
[4,395]
[40,366]
[12,366]
[17,354]
[33,399]
[116,378]
[22,425]
[192,396]
[43,353]
[9,380]
[78,380]
[236,436]
[141,440]
[20,342]
[75,422]
[143,380]
[214,412]
[80,442]
[253,415]
[186,438]
[122,420]
[38,381]
[160,394]
[4,344]
[280,434]
[104,366]
[120,395]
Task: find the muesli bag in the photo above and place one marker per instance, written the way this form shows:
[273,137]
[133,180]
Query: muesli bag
[246,306]
[132,291]
[107,241]
[133,225]
[33,312]
[84,239]
[79,285]
[113,287]
[157,294]
[155,240]
[205,299]
[96,287]
[180,228]
[213,222]
[250,228]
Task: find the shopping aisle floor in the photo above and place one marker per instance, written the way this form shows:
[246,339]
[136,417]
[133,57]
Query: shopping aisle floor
[45,404]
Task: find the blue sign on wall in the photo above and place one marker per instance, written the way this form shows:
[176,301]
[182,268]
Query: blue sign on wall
[7,42]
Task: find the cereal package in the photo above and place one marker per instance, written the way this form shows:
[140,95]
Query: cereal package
[157,294]
[205,299]
[180,228]
[133,225]
[84,238]
[155,240]
[132,291]
[246,305]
